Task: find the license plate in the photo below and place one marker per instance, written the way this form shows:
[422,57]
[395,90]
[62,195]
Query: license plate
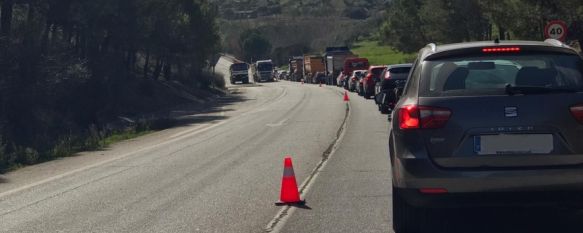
[513,144]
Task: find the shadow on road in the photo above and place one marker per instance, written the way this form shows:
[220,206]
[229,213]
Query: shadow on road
[200,113]
[304,206]
[521,220]
[3,180]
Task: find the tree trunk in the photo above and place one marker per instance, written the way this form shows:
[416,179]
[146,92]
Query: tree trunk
[147,64]
[502,33]
[167,69]
[158,69]
[45,39]
[6,17]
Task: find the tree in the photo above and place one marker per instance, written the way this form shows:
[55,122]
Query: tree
[402,29]
[254,45]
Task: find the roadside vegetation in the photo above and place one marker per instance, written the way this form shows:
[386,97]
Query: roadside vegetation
[411,24]
[379,54]
[70,68]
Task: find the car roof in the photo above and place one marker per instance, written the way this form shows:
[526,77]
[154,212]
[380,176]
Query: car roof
[548,45]
[407,65]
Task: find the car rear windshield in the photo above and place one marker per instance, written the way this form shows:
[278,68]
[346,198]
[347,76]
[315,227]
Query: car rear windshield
[399,72]
[491,75]
[377,71]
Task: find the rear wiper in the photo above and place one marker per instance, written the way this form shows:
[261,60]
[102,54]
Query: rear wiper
[525,90]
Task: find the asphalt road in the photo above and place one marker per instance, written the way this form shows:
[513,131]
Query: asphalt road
[220,171]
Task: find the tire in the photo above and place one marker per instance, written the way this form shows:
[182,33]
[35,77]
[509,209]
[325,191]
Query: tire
[406,218]
[412,219]
[384,110]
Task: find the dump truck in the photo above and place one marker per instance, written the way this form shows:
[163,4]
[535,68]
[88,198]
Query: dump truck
[296,68]
[335,57]
[313,64]
[263,71]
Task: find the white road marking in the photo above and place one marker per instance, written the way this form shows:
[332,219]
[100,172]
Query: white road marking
[277,124]
[278,222]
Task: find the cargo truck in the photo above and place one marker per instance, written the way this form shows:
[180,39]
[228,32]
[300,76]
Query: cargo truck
[296,68]
[263,71]
[313,64]
[335,57]
[239,72]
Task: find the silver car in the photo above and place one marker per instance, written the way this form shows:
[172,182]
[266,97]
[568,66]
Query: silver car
[354,79]
[487,123]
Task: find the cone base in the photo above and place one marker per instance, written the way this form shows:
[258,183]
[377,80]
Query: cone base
[297,203]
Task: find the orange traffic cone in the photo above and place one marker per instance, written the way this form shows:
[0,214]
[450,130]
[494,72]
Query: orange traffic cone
[289,188]
[346,98]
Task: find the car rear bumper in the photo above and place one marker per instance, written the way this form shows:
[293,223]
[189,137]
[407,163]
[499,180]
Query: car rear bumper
[477,186]
[562,198]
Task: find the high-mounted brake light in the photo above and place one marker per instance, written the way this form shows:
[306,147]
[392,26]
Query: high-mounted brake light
[501,50]
[423,117]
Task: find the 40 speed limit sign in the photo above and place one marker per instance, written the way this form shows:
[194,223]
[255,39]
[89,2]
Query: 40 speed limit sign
[556,29]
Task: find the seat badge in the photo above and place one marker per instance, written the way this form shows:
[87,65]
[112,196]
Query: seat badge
[511,111]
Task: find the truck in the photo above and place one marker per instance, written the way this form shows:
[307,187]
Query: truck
[263,71]
[296,68]
[239,72]
[335,57]
[352,64]
[313,64]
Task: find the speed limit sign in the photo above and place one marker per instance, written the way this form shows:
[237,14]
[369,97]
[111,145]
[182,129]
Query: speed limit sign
[556,29]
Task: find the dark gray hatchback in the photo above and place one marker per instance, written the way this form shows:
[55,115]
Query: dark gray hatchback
[488,123]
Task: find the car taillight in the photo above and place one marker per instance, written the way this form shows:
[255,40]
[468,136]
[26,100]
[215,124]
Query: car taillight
[577,112]
[423,117]
[501,50]
[353,79]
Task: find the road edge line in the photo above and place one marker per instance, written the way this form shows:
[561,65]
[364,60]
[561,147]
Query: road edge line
[280,219]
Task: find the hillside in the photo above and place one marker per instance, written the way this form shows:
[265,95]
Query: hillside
[297,27]
[326,8]
[381,54]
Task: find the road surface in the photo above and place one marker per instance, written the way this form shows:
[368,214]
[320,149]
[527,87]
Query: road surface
[220,171]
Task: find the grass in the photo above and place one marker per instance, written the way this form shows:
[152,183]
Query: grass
[122,136]
[381,54]
[66,147]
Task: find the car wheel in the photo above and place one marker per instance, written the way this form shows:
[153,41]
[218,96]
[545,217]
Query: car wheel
[412,219]
[406,218]
[384,110]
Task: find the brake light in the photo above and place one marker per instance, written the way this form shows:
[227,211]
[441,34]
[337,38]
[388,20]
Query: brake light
[433,190]
[353,79]
[501,50]
[423,117]
[577,112]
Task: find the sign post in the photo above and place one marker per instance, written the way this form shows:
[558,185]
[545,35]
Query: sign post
[556,29]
